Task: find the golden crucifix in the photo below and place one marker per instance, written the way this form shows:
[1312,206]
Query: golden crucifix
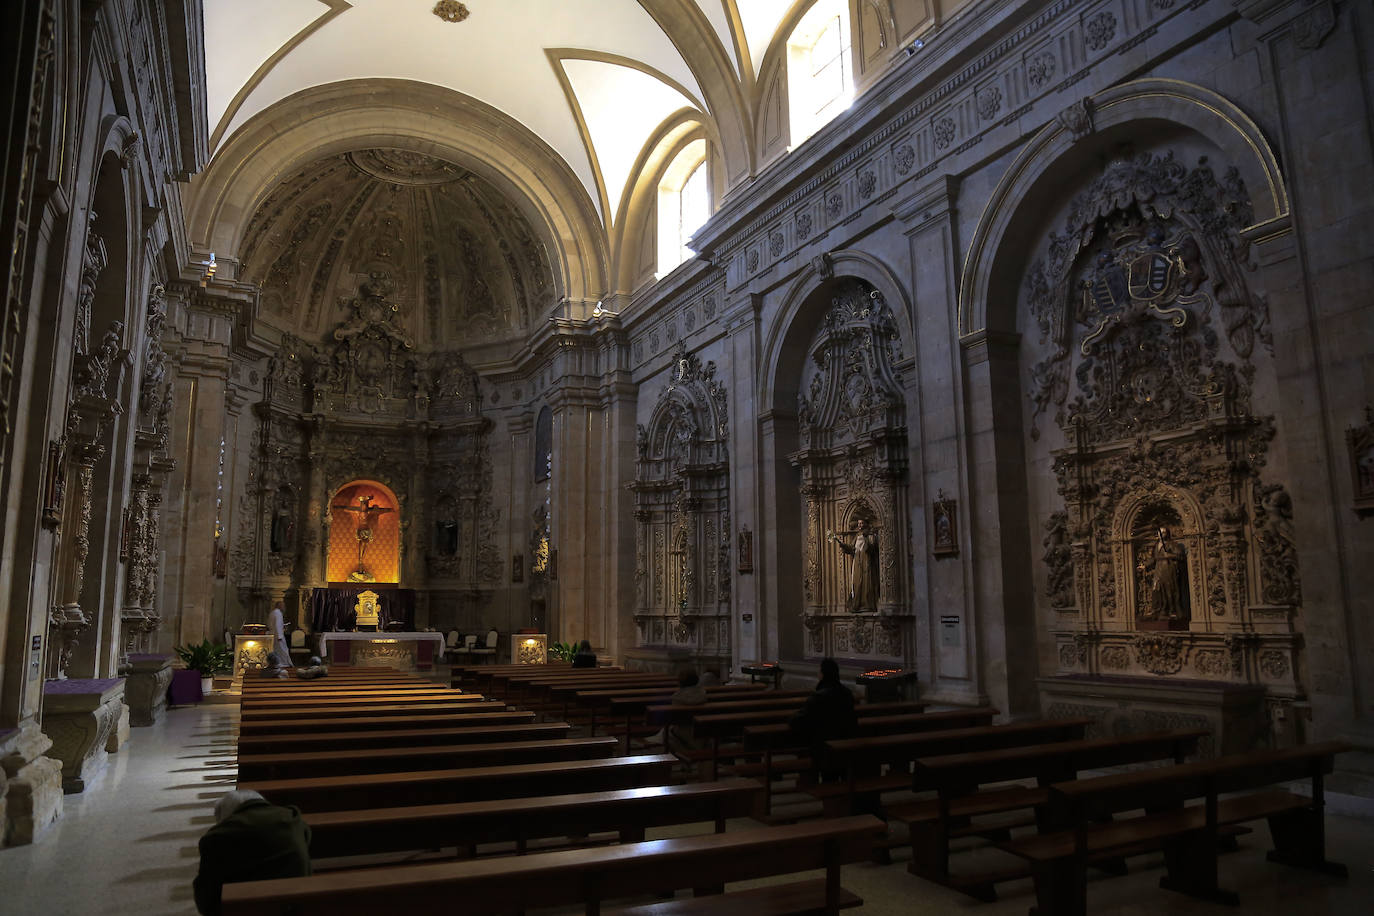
[365,515]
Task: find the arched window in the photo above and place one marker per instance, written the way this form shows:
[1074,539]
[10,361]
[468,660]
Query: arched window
[820,81]
[684,203]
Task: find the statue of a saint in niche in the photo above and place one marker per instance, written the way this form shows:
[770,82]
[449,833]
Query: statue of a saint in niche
[863,570]
[1165,563]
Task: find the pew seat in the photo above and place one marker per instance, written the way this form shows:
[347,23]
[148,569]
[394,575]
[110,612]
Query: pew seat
[518,820]
[393,759]
[586,877]
[422,787]
[1231,790]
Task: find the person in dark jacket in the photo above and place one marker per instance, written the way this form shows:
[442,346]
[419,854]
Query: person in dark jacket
[584,657]
[827,714]
[252,840]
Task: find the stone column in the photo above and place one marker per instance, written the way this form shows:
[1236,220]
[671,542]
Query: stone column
[1005,629]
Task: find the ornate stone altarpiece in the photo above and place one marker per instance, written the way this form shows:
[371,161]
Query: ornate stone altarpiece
[367,404]
[1173,556]
[851,418]
[682,516]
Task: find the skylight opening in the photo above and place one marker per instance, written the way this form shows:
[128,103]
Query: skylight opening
[820,82]
[684,204]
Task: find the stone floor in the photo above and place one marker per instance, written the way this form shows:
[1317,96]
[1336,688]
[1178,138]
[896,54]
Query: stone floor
[127,845]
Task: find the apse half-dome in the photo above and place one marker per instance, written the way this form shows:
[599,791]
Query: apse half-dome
[462,260]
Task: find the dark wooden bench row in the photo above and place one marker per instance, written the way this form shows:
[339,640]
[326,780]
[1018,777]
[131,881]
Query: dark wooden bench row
[476,715]
[463,825]
[588,877]
[391,790]
[1076,834]
[964,784]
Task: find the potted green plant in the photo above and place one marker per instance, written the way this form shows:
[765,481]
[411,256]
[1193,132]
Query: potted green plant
[562,651]
[209,658]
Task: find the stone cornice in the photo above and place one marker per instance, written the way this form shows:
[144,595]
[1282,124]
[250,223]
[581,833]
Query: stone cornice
[925,117]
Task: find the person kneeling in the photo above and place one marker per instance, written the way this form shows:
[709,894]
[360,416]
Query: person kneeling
[252,840]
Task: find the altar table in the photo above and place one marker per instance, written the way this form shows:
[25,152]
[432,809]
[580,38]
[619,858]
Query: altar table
[403,651]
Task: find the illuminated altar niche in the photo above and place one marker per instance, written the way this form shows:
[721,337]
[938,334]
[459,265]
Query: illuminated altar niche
[383,557]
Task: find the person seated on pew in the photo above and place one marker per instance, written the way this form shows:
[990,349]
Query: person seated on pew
[584,657]
[251,840]
[827,714]
[689,692]
[710,677]
[316,668]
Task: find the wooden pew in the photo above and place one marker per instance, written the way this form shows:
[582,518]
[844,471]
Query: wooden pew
[716,727]
[392,790]
[254,766]
[863,758]
[1188,834]
[313,688]
[527,691]
[298,742]
[588,877]
[405,698]
[497,683]
[462,703]
[777,738]
[519,820]
[600,702]
[463,675]
[957,778]
[489,714]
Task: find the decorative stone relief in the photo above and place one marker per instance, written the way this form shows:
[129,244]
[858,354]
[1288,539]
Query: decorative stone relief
[803,225]
[1040,69]
[682,519]
[1100,30]
[1077,118]
[989,103]
[1159,654]
[868,183]
[944,132]
[903,158]
[852,426]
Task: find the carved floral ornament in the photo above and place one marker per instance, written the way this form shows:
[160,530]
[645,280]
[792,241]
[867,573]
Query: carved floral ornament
[450,11]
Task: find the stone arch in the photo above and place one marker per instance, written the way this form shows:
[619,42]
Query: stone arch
[639,207]
[992,269]
[802,308]
[682,518]
[325,120]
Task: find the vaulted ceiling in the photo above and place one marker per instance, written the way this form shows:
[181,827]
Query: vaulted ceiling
[593,79]
[558,114]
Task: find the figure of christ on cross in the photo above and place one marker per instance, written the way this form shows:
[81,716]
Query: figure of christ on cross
[365,514]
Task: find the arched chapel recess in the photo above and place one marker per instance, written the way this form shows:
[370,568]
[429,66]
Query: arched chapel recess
[851,485]
[1155,465]
[682,518]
